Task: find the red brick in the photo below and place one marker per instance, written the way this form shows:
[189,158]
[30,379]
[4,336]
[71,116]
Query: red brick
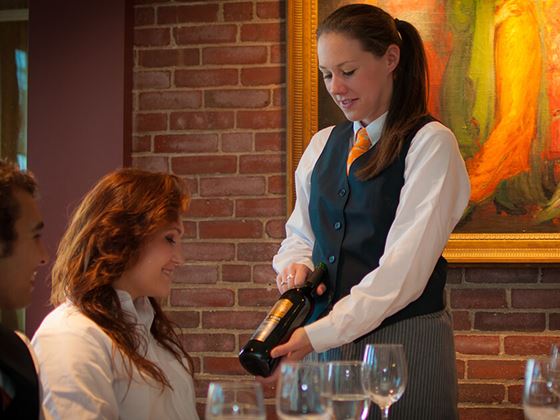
[170,57]
[455,275]
[204,164]
[190,230]
[542,298]
[170,100]
[515,394]
[238,11]
[141,143]
[279,97]
[236,273]
[210,208]
[186,143]
[501,275]
[201,120]
[256,251]
[258,297]
[197,274]
[274,141]
[550,275]
[151,163]
[231,229]
[238,98]
[271,10]
[234,55]
[144,16]
[241,186]
[202,297]
[223,366]
[513,321]
[260,119]
[277,184]
[237,142]
[211,34]
[262,164]
[150,122]
[530,345]
[461,368]
[262,32]
[203,251]
[152,37]
[477,344]
[257,76]
[481,393]
[184,319]
[192,184]
[554,321]
[195,13]
[238,320]
[278,54]
[206,78]
[264,274]
[208,342]
[467,413]
[151,79]
[276,229]
[478,298]
[263,207]
[496,369]
[461,320]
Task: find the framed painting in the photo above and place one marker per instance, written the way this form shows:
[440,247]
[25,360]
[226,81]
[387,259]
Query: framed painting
[494,70]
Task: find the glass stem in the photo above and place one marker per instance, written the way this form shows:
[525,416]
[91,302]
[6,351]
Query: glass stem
[385,413]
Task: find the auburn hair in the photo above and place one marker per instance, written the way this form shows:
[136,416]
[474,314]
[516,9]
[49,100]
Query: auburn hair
[376,30]
[104,239]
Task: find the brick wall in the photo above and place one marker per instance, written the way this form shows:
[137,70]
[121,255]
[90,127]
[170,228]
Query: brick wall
[208,99]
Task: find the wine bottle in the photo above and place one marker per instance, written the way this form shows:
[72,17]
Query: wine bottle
[289,312]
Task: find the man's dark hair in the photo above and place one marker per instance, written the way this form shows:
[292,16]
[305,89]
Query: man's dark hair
[11,179]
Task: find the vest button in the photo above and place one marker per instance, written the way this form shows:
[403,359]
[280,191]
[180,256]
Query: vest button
[342,192]
[337,225]
[332,259]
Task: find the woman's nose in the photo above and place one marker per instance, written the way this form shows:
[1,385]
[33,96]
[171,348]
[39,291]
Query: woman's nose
[337,86]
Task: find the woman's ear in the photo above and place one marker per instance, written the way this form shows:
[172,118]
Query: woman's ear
[392,56]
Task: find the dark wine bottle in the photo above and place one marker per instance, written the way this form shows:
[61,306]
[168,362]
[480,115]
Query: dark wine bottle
[291,311]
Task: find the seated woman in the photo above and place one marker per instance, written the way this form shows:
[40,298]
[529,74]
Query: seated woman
[108,350]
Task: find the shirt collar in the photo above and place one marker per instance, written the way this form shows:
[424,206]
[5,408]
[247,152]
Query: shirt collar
[373,129]
[140,309]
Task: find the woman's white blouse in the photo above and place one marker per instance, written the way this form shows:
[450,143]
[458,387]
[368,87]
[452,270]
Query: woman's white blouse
[435,193]
[84,377]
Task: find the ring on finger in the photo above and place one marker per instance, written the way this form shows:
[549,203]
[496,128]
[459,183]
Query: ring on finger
[290,277]
[283,283]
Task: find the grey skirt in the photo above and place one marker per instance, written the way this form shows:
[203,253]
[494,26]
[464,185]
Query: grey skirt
[431,392]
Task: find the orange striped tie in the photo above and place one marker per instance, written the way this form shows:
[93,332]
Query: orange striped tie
[361,146]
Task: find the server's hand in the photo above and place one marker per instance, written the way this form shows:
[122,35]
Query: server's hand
[294,276]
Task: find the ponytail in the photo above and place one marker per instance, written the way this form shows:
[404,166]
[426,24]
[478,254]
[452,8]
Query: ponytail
[409,102]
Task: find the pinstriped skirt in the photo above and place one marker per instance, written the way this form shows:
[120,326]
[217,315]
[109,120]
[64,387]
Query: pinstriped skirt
[431,392]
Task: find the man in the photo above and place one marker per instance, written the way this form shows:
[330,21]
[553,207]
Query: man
[21,252]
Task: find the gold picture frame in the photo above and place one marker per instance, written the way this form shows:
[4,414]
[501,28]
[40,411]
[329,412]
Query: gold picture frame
[302,123]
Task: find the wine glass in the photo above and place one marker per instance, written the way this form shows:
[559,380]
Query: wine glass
[553,376]
[384,374]
[299,392]
[539,403]
[344,388]
[235,400]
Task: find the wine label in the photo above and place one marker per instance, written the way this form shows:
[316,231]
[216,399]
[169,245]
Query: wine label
[280,308]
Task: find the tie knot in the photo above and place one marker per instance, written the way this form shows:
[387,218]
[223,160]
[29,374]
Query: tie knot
[362,139]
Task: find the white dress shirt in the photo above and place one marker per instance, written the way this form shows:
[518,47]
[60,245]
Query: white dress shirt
[84,377]
[435,193]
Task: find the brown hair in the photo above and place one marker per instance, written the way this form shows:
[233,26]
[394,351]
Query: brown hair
[103,240]
[377,30]
[11,180]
